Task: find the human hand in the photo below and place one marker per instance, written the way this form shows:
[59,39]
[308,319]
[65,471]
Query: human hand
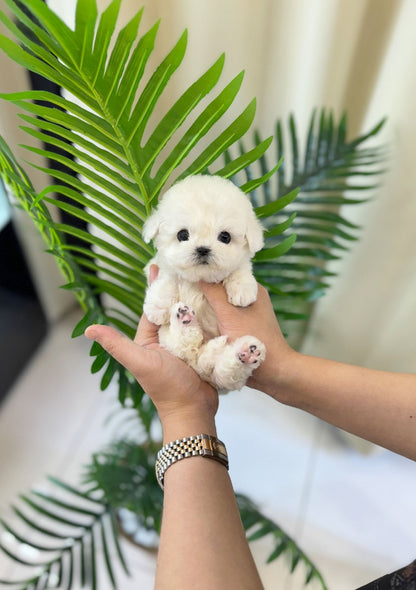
[258,319]
[186,404]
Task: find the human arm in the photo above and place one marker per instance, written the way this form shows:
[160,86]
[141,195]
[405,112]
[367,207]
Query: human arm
[202,543]
[378,406]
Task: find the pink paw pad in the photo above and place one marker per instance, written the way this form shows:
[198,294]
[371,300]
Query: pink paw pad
[185,315]
[250,354]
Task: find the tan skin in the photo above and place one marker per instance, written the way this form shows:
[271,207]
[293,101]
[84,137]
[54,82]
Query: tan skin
[378,406]
[199,501]
[202,543]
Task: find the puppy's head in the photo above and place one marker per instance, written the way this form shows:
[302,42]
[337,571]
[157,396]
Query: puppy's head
[204,228]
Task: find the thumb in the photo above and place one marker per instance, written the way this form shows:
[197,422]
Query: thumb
[126,352]
[216,295]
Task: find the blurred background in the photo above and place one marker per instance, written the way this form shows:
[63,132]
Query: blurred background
[355,55]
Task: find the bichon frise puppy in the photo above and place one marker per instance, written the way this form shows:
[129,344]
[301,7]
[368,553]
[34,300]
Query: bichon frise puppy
[204,229]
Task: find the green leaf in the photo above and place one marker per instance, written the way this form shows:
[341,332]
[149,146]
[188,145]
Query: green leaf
[63,50]
[280,228]
[107,554]
[72,116]
[105,30]
[117,544]
[92,564]
[54,516]
[85,21]
[108,374]
[332,173]
[57,33]
[133,73]
[277,205]
[111,81]
[251,186]
[88,319]
[100,361]
[13,556]
[181,110]
[277,552]
[276,251]
[37,527]
[296,557]
[26,541]
[76,553]
[72,144]
[229,136]
[96,349]
[241,162]
[264,527]
[70,574]
[49,498]
[204,122]
[73,490]
[154,88]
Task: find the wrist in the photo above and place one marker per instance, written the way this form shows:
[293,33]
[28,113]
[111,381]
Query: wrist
[278,379]
[182,424]
[285,386]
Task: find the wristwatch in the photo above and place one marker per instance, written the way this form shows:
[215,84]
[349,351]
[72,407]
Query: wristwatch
[201,445]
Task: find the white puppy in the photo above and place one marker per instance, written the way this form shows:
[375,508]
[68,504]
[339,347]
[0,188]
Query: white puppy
[204,229]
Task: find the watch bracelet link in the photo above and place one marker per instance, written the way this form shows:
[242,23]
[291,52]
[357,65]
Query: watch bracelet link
[201,445]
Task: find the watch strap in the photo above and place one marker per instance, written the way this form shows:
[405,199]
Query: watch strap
[201,445]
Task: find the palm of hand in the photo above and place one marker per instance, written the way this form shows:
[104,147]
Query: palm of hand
[171,383]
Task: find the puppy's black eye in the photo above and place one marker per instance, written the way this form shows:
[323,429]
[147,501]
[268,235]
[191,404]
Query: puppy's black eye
[224,237]
[183,235]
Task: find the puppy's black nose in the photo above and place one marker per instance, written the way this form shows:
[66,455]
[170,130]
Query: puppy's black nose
[203,251]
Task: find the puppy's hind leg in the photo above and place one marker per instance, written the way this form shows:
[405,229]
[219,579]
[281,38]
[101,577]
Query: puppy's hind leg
[209,357]
[228,366]
[183,336]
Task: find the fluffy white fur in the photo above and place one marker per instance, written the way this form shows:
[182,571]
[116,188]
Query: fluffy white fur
[204,228]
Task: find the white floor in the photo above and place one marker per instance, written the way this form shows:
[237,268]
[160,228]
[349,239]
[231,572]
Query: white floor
[354,515]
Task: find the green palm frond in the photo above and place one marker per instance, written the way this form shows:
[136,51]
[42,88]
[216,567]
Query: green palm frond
[25,195]
[114,157]
[330,171]
[62,530]
[258,526]
[125,473]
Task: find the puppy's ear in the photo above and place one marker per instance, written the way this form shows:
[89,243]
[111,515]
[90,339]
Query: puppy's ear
[151,226]
[254,233]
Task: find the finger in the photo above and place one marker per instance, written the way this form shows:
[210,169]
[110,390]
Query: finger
[215,294]
[128,354]
[147,332]
[263,297]
[153,272]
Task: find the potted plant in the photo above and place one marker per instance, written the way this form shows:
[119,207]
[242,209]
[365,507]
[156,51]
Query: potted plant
[113,166]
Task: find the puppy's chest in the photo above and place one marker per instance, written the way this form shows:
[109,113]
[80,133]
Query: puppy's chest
[190,294]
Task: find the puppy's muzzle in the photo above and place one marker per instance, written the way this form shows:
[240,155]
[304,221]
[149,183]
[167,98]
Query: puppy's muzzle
[202,254]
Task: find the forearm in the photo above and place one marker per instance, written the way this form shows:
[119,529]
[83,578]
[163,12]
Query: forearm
[378,406]
[202,543]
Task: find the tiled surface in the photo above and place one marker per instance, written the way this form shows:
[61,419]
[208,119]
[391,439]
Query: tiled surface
[354,515]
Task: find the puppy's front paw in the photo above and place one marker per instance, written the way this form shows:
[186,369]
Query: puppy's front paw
[156,315]
[250,351]
[241,293]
